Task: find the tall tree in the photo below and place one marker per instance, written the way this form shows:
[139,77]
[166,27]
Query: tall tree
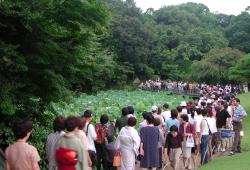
[238,32]
[217,62]
[241,72]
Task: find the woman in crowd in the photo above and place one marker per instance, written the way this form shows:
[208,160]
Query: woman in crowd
[69,148]
[100,142]
[173,147]
[128,143]
[187,131]
[162,138]
[82,136]
[21,155]
[122,121]
[58,126]
[150,136]
[204,137]
[173,120]
[144,122]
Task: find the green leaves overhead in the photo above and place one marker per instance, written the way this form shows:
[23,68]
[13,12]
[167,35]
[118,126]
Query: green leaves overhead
[241,72]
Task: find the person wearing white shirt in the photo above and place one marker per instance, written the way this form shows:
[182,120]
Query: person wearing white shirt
[205,135]
[91,135]
[166,114]
[197,122]
[128,142]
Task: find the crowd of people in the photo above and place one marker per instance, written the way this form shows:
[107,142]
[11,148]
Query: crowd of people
[187,87]
[164,135]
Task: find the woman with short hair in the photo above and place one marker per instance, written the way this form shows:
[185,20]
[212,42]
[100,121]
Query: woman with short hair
[58,126]
[69,148]
[187,131]
[173,120]
[16,158]
[150,137]
[128,143]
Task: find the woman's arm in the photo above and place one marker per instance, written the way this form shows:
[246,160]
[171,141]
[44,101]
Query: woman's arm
[35,166]
[7,165]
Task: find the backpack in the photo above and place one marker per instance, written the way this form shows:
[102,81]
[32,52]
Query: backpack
[101,132]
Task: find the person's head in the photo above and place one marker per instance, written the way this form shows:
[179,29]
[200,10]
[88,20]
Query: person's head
[222,104]
[104,119]
[191,111]
[144,114]
[157,122]
[58,124]
[125,111]
[203,104]
[110,139]
[236,102]
[204,112]
[179,109]
[150,118]
[80,123]
[131,121]
[71,123]
[131,110]
[22,129]
[174,113]
[154,109]
[174,130]
[209,112]
[88,114]
[184,118]
[165,106]
[183,104]
[199,111]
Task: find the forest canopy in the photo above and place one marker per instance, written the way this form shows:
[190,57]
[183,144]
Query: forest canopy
[51,48]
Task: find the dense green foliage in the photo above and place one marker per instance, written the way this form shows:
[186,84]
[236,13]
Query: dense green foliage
[51,50]
[241,71]
[215,65]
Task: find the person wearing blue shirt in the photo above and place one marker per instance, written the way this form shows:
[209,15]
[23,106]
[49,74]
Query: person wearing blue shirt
[238,114]
[172,120]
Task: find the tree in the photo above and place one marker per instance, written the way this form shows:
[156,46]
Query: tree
[40,46]
[241,72]
[215,65]
[238,32]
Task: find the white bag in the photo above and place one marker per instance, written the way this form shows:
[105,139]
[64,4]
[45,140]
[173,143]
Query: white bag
[190,142]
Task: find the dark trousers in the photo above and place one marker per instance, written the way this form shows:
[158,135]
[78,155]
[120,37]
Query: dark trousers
[237,127]
[101,153]
[110,166]
[204,149]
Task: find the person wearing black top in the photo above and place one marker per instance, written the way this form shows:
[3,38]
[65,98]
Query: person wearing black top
[222,115]
[221,121]
[173,146]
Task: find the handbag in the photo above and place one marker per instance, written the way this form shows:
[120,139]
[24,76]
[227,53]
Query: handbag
[190,142]
[117,161]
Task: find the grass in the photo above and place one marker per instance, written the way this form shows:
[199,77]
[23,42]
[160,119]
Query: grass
[239,161]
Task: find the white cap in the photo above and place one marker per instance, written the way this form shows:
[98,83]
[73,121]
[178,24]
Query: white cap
[154,108]
[183,104]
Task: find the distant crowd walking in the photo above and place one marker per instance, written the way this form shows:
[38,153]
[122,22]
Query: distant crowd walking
[165,137]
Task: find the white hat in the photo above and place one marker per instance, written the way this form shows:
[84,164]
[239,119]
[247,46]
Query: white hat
[183,104]
[154,108]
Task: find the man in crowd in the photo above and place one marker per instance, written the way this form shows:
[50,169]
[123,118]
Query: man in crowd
[238,114]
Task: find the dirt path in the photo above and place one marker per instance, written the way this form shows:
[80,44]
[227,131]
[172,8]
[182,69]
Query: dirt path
[195,162]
